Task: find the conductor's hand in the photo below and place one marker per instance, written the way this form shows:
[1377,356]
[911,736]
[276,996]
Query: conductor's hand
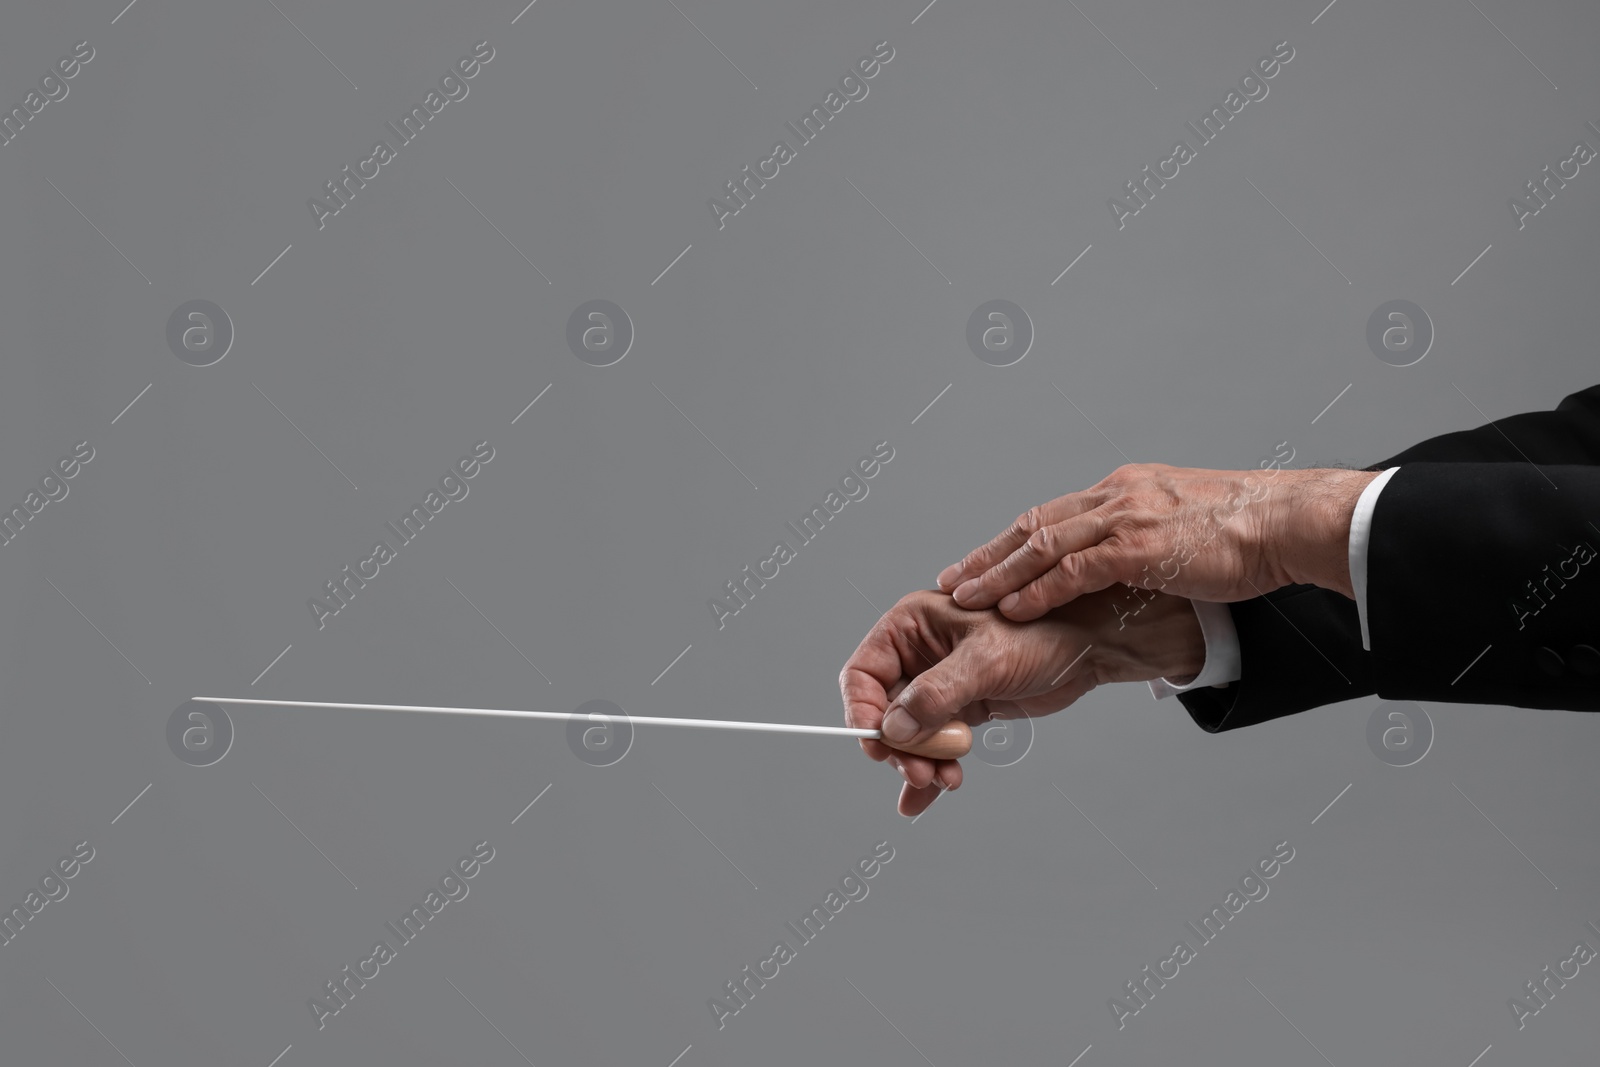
[1212,535]
[928,661]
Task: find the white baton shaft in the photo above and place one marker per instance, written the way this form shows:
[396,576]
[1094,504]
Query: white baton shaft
[952,741]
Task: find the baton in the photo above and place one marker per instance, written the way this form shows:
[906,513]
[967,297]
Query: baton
[952,741]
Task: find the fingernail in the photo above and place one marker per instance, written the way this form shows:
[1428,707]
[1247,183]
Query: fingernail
[898,725]
[966,591]
[1010,602]
[948,575]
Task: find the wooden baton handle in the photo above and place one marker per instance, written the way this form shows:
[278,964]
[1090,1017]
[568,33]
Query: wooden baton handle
[953,741]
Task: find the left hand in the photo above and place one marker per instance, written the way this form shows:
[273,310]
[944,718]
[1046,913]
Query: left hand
[1210,535]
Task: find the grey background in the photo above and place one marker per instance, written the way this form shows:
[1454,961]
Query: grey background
[1205,332]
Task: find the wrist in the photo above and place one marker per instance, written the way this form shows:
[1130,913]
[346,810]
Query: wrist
[1163,640]
[1185,644]
[1312,541]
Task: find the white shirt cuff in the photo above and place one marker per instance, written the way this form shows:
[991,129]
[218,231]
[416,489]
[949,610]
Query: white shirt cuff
[1222,652]
[1360,537]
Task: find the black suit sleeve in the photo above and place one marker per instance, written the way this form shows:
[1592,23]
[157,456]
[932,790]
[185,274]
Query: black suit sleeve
[1483,545]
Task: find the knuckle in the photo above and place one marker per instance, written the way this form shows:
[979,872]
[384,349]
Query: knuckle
[924,696]
[1070,567]
[1133,474]
[904,609]
[1029,521]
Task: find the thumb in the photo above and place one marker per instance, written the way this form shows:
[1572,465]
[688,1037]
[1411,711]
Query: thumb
[935,696]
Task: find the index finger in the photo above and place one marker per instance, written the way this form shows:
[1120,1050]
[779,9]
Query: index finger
[873,676]
[865,684]
[1015,536]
